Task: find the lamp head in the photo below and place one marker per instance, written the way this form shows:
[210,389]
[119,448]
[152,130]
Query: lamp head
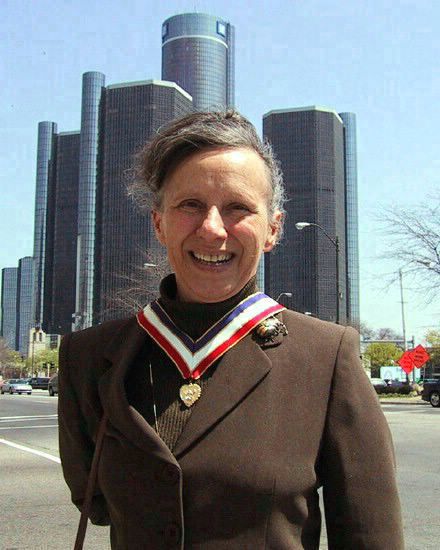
[301,225]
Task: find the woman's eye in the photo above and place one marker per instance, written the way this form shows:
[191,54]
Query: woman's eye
[239,207]
[191,205]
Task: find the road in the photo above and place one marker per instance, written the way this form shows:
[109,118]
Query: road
[35,508]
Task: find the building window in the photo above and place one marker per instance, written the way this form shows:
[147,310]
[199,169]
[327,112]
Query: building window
[164,30]
[221,28]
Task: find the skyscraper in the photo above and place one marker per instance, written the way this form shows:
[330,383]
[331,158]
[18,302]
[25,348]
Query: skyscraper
[93,86]
[309,143]
[198,53]
[25,290]
[63,212]
[351,212]
[133,112]
[9,306]
[45,165]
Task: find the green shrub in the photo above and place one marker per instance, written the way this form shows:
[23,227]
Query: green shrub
[397,390]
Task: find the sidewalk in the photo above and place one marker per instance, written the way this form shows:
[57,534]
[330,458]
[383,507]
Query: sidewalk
[403,400]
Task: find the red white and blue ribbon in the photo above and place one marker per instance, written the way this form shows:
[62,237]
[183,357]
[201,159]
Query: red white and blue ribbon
[194,357]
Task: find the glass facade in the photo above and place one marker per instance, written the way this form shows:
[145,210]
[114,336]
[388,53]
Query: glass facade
[64,215]
[351,212]
[198,52]
[9,306]
[93,85]
[125,238]
[25,288]
[45,164]
[309,144]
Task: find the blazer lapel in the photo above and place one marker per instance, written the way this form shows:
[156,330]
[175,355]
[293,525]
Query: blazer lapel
[122,416]
[240,370]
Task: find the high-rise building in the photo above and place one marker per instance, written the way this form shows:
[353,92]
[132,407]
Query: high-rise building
[61,234]
[198,53]
[9,306]
[309,143]
[91,106]
[88,236]
[133,112]
[45,166]
[351,213]
[25,290]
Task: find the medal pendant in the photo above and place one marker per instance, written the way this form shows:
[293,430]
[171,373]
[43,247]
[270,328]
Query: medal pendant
[189,393]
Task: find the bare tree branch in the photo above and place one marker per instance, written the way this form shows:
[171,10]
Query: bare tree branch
[413,238]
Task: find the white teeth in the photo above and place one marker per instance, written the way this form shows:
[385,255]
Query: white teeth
[214,258]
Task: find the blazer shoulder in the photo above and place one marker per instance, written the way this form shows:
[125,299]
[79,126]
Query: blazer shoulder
[98,335]
[308,327]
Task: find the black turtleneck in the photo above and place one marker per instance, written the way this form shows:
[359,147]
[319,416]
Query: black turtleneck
[194,319]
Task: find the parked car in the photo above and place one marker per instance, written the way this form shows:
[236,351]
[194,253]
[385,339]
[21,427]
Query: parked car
[16,385]
[378,382]
[39,382]
[431,392]
[53,385]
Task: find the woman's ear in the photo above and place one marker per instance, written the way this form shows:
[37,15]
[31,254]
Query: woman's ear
[158,226]
[273,231]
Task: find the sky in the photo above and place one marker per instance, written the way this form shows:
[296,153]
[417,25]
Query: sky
[376,58]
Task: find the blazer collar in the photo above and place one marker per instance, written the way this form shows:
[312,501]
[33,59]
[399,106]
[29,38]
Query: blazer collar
[241,369]
[121,352]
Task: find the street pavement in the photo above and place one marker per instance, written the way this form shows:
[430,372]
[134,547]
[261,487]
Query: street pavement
[36,512]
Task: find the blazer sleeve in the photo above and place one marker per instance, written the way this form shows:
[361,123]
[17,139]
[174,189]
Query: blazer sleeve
[75,443]
[357,464]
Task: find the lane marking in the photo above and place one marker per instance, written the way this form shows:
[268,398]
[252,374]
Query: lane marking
[30,417]
[28,427]
[30,450]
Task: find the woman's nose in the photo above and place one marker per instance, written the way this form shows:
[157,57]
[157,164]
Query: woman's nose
[212,226]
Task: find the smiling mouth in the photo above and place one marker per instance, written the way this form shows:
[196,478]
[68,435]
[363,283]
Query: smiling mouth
[212,259]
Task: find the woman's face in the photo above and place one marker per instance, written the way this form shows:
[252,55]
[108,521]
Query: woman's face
[214,222]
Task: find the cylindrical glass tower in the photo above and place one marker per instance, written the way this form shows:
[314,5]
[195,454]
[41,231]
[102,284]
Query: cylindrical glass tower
[93,85]
[351,205]
[45,159]
[198,54]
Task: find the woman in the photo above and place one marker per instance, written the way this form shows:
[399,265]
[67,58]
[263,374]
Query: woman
[226,413]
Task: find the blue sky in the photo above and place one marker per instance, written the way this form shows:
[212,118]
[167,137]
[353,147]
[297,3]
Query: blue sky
[378,59]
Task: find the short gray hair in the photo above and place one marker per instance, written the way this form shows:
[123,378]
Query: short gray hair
[195,132]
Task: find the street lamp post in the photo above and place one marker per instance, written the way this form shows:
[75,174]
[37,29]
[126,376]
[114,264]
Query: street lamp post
[335,242]
[288,294]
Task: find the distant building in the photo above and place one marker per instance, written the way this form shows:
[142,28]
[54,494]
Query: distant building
[89,239]
[25,290]
[61,235]
[45,166]
[40,341]
[198,53]
[133,112]
[9,306]
[352,215]
[309,143]
[91,129]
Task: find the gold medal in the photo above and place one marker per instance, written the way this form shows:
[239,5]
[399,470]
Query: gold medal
[189,393]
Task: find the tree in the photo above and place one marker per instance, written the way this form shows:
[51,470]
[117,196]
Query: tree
[413,237]
[5,351]
[387,333]
[432,338]
[11,362]
[382,354]
[366,332]
[43,359]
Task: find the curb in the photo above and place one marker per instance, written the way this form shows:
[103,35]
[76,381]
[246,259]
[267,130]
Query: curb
[403,402]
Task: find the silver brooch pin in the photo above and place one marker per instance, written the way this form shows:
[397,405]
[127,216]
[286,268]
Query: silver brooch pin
[268,329]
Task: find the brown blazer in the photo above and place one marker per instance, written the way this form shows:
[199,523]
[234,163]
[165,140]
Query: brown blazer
[275,423]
